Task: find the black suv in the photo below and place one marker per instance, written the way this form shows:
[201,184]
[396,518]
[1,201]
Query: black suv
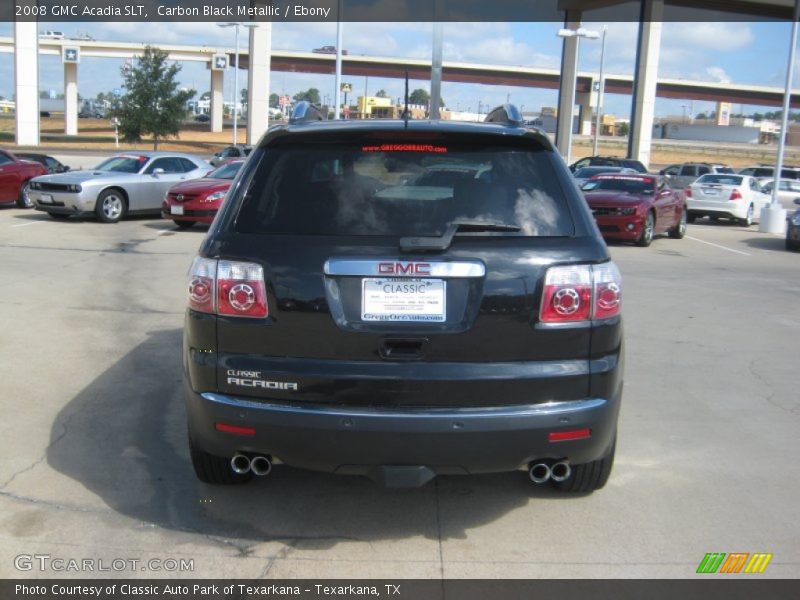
[608,161]
[401,299]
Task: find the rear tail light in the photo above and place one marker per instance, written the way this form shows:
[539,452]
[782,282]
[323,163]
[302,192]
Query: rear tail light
[580,293]
[227,288]
[241,290]
[736,194]
[688,192]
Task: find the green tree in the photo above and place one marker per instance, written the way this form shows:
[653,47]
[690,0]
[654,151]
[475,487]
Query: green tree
[274,100]
[419,96]
[206,96]
[381,94]
[624,129]
[153,104]
[311,95]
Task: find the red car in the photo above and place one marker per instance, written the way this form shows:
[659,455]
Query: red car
[14,177]
[635,208]
[198,200]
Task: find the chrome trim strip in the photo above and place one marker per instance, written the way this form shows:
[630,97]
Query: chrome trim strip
[547,408]
[369,267]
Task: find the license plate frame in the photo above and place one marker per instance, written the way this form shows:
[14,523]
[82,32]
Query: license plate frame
[381,306]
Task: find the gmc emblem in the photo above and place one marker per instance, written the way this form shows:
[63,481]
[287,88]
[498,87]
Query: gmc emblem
[399,268]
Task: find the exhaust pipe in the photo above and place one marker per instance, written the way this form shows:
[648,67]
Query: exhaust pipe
[539,472]
[261,465]
[560,471]
[240,464]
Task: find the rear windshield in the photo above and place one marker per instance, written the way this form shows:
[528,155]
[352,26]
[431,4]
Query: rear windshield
[405,189]
[721,179]
[587,172]
[630,185]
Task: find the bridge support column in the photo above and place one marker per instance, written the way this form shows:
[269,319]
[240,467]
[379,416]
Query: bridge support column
[566,89]
[645,80]
[26,82]
[217,79]
[258,81]
[71,98]
[585,119]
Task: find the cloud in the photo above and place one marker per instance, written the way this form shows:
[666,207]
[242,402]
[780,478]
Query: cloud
[718,74]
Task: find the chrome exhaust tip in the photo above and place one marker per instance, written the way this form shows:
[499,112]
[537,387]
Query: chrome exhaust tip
[240,464]
[261,465]
[539,473]
[560,471]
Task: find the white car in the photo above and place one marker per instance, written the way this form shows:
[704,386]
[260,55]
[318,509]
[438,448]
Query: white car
[718,195]
[128,183]
[788,191]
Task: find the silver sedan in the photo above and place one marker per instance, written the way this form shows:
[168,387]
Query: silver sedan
[131,183]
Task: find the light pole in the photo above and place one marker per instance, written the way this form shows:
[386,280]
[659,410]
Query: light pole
[600,91]
[773,216]
[576,33]
[337,92]
[236,90]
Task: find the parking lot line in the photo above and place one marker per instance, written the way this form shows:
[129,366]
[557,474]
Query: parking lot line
[26,224]
[688,237]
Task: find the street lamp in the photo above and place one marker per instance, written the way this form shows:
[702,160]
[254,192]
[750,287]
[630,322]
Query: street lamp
[236,72]
[576,33]
[600,92]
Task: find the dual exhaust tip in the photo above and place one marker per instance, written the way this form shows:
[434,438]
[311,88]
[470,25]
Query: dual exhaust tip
[541,472]
[257,465]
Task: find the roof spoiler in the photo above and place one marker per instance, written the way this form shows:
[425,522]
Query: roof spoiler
[507,114]
[305,112]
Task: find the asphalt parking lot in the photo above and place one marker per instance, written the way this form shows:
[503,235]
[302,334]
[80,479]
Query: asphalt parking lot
[94,461]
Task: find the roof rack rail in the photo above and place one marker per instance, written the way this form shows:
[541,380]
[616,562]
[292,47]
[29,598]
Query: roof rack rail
[305,112]
[507,114]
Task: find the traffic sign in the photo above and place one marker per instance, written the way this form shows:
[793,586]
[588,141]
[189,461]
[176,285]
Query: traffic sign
[219,62]
[70,54]
[347,87]
[117,92]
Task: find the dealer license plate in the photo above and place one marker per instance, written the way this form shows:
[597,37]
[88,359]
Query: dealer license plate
[176,210]
[402,299]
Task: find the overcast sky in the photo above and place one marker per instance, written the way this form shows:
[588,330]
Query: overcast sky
[751,53]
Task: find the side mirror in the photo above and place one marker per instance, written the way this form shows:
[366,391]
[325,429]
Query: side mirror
[662,172]
[65,168]
[797,201]
[157,172]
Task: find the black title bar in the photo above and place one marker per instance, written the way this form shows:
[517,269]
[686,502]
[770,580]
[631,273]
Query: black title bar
[386,10]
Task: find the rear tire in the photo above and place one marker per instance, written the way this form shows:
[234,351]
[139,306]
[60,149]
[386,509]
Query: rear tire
[183,224]
[588,477]
[792,245]
[24,201]
[111,206]
[679,231]
[748,220]
[214,470]
[648,231]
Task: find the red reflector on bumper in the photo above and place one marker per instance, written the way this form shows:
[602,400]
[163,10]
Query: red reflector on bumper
[574,434]
[235,429]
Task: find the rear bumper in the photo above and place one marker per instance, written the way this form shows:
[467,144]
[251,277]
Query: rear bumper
[725,208]
[360,440]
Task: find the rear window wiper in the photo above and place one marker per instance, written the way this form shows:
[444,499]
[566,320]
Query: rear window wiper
[433,243]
